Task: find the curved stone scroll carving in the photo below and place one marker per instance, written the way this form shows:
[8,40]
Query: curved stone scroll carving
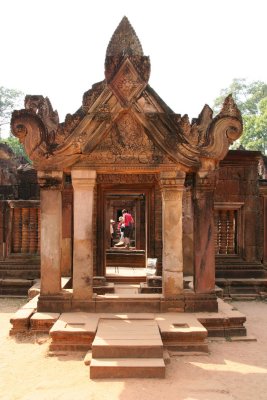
[43,108]
[31,132]
[224,129]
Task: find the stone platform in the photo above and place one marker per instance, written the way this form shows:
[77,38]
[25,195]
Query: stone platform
[177,329]
[129,344]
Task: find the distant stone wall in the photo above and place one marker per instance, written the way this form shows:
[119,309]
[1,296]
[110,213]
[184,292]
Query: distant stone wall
[238,189]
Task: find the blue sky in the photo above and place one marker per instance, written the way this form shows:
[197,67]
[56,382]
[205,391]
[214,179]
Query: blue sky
[57,47]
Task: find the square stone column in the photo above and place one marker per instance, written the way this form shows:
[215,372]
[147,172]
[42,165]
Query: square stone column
[66,246]
[204,246]
[172,186]
[51,231]
[263,195]
[83,182]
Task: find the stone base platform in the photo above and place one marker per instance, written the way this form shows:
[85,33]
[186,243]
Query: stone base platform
[20,321]
[228,322]
[182,334]
[43,322]
[73,332]
[187,301]
[185,332]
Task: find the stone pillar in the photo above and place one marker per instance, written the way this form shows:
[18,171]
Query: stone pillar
[263,195]
[188,232]
[2,229]
[83,182]
[265,229]
[172,186]
[51,217]
[66,257]
[204,263]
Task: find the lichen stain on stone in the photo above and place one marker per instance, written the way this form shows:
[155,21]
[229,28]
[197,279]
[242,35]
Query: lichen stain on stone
[87,280]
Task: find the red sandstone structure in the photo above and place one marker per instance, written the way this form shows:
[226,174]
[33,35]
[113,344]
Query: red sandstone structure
[125,142]
[192,203]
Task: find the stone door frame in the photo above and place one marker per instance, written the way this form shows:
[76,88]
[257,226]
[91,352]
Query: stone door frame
[103,190]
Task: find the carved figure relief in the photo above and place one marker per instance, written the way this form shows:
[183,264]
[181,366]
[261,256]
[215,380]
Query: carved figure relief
[126,143]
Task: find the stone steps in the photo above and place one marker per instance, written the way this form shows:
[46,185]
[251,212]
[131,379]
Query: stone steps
[13,287]
[20,274]
[242,288]
[239,269]
[127,368]
[127,348]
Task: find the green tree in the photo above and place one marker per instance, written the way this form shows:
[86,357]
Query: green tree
[15,145]
[10,99]
[251,99]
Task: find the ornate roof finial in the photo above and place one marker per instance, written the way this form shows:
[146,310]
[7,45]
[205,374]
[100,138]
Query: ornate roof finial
[230,108]
[124,41]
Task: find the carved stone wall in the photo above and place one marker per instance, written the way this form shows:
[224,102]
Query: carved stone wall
[238,183]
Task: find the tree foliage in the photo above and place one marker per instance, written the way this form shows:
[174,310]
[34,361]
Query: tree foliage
[16,147]
[251,99]
[10,99]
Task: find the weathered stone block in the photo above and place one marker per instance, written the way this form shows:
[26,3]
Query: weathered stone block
[154,281]
[99,280]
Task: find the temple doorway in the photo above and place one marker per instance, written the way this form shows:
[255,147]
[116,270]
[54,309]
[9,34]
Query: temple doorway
[120,260]
[121,264]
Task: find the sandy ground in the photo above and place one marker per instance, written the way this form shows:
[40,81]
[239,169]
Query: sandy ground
[232,370]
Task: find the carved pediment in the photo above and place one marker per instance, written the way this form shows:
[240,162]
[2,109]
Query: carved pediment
[126,143]
[123,121]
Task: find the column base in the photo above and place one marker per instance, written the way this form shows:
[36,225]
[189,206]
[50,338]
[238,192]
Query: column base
[196,302]
[64,302]
[176,304]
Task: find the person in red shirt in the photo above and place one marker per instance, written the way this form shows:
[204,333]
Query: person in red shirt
[128,222]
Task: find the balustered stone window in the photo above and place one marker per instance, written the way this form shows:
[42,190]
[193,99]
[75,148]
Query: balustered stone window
[25,230]
[228,228]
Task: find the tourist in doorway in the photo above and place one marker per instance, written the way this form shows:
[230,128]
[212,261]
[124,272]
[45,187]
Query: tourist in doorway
[121,228]
[128,222]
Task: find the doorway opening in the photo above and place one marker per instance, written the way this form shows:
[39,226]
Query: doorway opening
[119,263]
[122,262]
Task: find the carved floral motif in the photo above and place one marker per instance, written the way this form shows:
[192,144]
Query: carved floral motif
[127,178]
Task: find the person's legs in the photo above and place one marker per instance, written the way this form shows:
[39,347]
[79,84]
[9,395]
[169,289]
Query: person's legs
[127,233]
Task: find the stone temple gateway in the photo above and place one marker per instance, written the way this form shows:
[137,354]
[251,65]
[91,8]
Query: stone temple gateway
[125,146]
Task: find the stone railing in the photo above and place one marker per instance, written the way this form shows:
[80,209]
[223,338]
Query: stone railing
[20,227]
[225,232]
[228,228]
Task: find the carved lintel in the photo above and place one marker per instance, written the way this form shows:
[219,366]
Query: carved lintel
[127,178]
[50,180]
